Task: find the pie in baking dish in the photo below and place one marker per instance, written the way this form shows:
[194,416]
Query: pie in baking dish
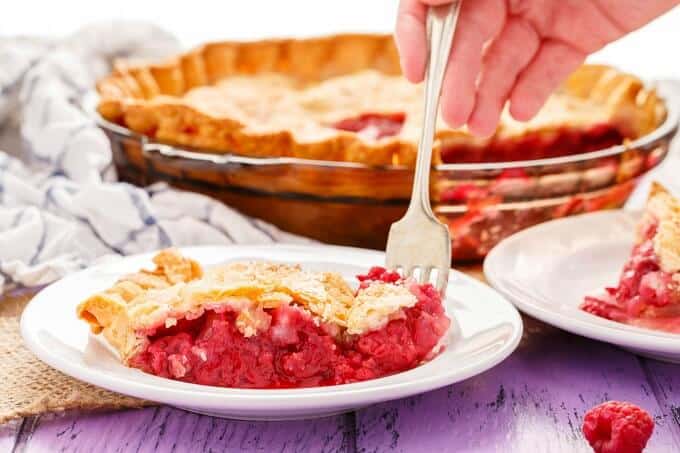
[342,98]
[648,292]
[266,325]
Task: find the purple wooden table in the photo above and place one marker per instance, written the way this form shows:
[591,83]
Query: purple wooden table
[532,402]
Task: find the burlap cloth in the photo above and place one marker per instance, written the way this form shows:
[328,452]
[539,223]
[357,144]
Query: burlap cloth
[29,387]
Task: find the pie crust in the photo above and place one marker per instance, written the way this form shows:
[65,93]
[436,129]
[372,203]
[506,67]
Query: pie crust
[663,210]
[146,315]
[309,99]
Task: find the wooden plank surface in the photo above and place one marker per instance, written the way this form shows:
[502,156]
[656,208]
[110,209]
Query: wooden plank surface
[664,380]
[164,429]
[535,399]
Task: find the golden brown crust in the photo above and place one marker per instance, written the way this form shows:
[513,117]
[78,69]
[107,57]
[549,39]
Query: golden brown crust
[664,209]
[637,110]
[139,304]
[258,99]
[108,312]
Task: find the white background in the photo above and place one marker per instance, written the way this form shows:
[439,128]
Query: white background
[652,52]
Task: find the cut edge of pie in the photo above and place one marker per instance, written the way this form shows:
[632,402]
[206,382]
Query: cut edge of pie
[266,325]
[663,209]
[342,98]
[648,292]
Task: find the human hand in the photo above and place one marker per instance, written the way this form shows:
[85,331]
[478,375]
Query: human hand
[515,50]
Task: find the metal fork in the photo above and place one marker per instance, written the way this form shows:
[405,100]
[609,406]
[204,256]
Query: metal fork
[419,241]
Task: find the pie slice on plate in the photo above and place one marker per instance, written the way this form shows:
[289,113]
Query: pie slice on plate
[648,292]
[266,325]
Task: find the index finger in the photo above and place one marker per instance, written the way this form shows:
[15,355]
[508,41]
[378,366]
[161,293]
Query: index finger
[410,36]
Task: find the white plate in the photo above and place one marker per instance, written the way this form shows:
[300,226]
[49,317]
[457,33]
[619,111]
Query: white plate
[547,269]
[487,329]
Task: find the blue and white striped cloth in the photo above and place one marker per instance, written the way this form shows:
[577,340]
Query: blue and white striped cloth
[60,207]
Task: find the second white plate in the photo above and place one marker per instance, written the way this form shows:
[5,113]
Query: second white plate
[546,271]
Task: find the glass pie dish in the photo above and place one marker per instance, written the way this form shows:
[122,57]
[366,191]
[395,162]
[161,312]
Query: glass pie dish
[318,137]
[354,204]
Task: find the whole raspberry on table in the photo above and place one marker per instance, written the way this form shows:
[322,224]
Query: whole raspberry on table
[617,427]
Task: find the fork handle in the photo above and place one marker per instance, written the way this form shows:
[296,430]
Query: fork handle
[441,24]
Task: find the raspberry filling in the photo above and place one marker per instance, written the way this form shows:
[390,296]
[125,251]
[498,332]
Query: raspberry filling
[373,126]
[537,145]
[296,350]
[646,295]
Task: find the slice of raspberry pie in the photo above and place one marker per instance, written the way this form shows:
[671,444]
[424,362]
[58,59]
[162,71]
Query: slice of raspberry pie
[648,293]
[266,325]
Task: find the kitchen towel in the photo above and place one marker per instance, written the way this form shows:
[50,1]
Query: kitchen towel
[61,208]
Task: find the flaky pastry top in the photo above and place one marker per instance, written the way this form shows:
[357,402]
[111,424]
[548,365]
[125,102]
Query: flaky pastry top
[136,306]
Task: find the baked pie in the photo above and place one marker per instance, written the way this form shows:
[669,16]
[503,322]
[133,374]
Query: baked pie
[266,325]
[342,98]
[648,293]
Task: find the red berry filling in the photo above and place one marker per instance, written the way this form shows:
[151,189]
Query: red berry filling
[644,291]
[379,274]
[373,126]
[537,145]
[296,350]
[617,427]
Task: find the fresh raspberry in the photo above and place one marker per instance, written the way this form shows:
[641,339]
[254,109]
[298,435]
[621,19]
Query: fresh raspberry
[597,307]
[380,274]
[617,427]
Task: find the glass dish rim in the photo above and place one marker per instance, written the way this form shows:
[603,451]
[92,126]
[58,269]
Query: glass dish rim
[667,128]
